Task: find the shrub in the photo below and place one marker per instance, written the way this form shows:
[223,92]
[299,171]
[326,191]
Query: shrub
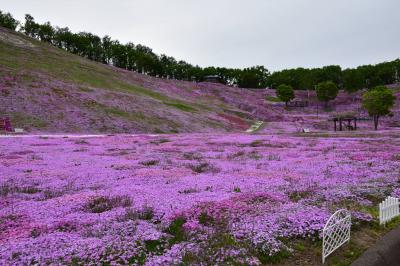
[102,204]
[210,188]
[254,155]
[66,226]
[28,190]
[213,249]
[205,219]
[267,258]
[237,190]
[5,92]
[160,141]
[154,246]
[396,157]
[146,213]
[189,191]
[5,189]
[192,156]
[203,167]
[273,157]
[237,154]
[82,142]
[176,230]
[35,232]
[256,143]
[150,163]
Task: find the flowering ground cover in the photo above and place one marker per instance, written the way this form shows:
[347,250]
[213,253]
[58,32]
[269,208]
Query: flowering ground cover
[187,198]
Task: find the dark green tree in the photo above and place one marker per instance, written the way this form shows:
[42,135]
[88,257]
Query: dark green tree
[353,80]
[131,57]
[119,57]
[378,102]
[63,39]
[254,77]
[285,93]
[327,91]
[168,66]
[30,27]
[329,73]
[248,79]
[107,49]
[46,32]
[7,21]
[286,76]
[146,60]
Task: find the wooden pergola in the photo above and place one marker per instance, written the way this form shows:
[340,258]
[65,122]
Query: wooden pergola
[349,120]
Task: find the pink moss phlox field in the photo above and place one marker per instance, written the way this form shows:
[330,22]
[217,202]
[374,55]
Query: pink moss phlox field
[69,106]
[153,200]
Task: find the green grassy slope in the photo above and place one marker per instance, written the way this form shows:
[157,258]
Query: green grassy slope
[44,88]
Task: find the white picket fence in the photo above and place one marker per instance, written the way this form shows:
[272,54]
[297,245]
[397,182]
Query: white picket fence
[336,233]
[388,210]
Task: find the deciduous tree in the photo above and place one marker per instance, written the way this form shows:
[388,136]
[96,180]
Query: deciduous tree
[353,80]
[378,102]
[327,91]
[7,21]
[285,93]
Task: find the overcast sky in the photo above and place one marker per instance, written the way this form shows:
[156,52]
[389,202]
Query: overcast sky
[237,33]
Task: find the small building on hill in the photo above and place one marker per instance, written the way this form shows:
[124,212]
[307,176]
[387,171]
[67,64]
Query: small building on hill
[212,79]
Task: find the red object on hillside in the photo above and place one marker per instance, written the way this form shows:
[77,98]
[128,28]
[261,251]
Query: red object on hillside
[237,121]
[5,124]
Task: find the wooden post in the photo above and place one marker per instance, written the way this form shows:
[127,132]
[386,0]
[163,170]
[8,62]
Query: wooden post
[340,124]
[334,121]
[2,124]
[349,124]
[355,123]
[7,124]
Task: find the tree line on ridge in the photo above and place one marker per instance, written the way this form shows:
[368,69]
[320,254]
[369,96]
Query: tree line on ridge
[142,59]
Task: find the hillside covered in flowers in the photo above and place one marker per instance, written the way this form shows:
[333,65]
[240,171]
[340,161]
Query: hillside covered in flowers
[44,89]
